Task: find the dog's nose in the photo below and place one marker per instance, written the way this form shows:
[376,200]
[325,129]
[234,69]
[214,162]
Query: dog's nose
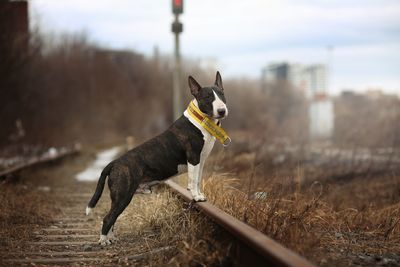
[221,111]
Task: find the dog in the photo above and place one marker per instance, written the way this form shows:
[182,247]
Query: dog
[185,142]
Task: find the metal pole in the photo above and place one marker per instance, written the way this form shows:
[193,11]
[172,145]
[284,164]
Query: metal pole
[177,95]
[329,51]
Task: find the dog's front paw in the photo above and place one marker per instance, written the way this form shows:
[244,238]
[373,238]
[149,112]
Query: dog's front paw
[199,198]
[104,241]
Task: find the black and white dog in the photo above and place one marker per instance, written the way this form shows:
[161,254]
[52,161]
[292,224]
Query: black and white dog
[186,142]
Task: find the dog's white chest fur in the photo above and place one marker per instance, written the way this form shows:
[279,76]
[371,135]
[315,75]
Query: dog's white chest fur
[209,140]
[195,172]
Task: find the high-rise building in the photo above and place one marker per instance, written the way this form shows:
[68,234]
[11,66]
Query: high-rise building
[314,77]
[311,80]
[276,72]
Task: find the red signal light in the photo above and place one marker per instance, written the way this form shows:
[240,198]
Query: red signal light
[177,6]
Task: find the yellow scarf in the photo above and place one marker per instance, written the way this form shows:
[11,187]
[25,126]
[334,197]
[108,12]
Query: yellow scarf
[208,124]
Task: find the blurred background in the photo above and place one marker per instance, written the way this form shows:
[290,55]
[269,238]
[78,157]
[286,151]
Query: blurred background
[91,71]
[307,81]
[312,89]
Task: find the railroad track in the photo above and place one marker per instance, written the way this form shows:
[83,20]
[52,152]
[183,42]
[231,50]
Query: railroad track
[38,160]
[253,248]
[71,238]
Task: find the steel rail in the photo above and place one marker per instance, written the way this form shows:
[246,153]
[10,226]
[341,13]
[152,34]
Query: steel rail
[39,160]
[253,248]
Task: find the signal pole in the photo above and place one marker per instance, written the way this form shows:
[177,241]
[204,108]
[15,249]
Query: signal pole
[177,28]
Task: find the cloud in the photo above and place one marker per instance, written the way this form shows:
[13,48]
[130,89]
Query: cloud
[246,35]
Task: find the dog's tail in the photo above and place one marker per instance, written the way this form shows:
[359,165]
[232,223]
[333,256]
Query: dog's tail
[99,189]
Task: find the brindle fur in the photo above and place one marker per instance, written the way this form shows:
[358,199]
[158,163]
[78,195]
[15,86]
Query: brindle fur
[157,159]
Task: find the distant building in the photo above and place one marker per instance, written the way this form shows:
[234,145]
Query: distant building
[14,45]
[314,79]
[14,26]
[311,80]
[321,114]
[299,77]
[276,72]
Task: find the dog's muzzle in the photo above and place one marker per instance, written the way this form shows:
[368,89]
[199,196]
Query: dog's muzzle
[222,113]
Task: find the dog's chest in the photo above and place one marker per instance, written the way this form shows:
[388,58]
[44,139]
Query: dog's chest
[205,152]
[209,142]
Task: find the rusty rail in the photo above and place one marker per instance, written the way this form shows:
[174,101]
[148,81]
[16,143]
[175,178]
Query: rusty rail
[40,160]
[253,248]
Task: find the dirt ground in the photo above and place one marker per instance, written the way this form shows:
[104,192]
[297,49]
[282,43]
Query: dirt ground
[351,223]
[42,217]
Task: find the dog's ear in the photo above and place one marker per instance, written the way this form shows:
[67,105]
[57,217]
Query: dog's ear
[218,81]
[194,86]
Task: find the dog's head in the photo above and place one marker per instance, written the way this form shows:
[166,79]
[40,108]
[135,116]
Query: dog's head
[211,100]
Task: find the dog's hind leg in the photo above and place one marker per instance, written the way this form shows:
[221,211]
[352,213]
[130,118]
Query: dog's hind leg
[121,192]
[108,223]
[117,207]
[111,235]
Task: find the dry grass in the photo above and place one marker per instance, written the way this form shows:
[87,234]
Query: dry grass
[190,238]
[307,221]
[332,224]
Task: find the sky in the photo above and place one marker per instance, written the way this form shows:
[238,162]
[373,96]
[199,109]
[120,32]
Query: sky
[244,36]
